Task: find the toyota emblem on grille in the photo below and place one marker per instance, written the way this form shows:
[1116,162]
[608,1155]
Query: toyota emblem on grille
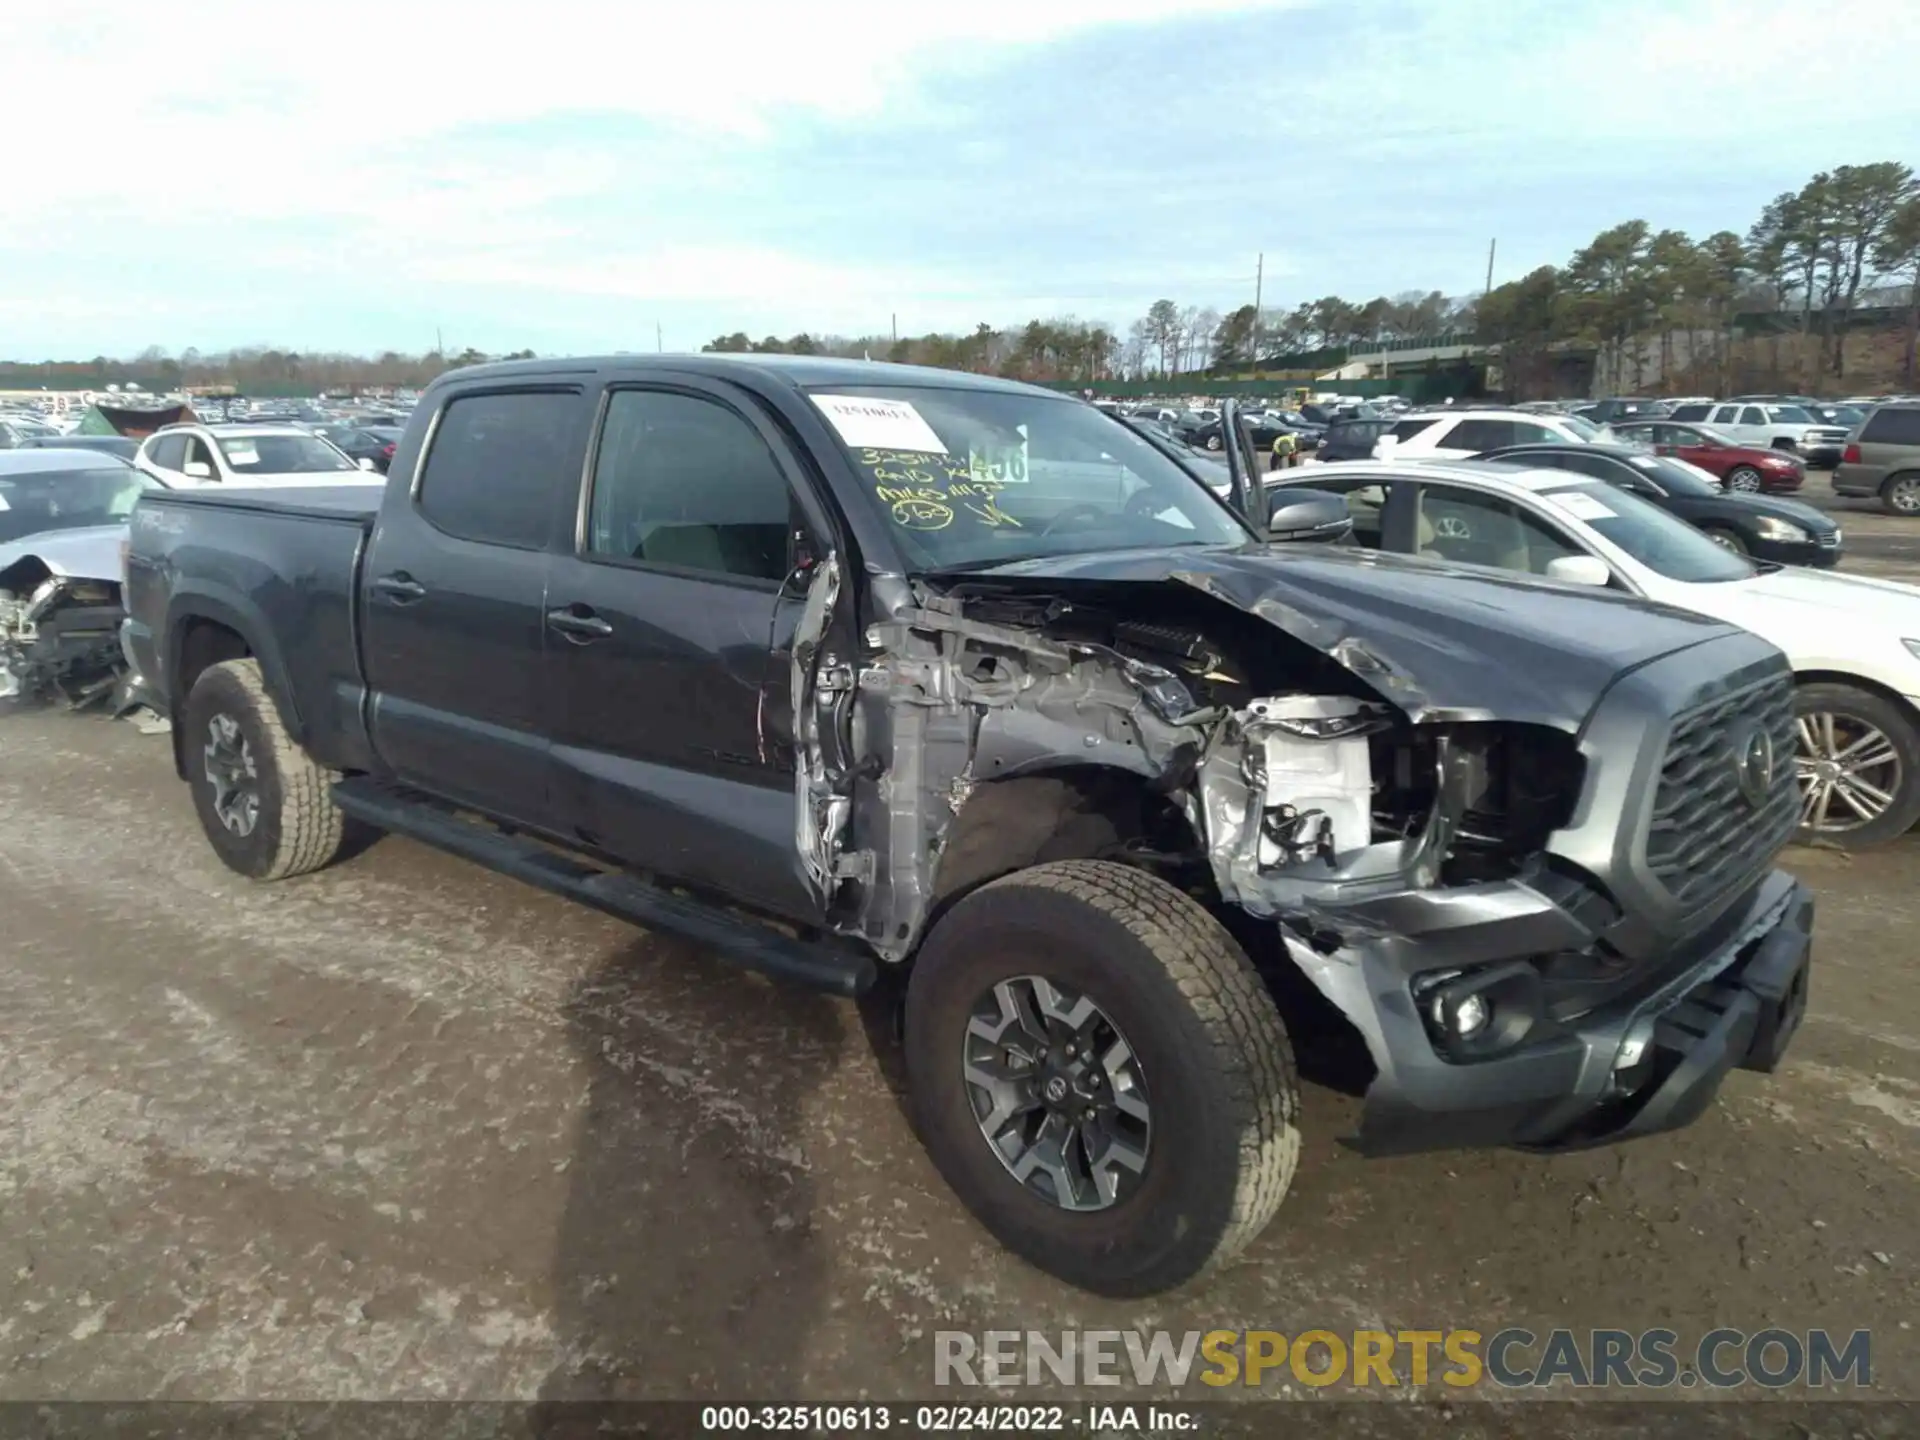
[1753,766]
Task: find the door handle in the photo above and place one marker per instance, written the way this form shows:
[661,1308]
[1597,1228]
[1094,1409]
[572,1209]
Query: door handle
[578,624]
[400,587]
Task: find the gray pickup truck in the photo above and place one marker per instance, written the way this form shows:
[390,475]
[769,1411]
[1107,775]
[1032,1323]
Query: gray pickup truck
[962,694]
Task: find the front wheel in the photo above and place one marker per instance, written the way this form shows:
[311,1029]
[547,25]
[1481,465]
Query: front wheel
[1743,478]
[1100,1075]
[1858,760]
[1726,539]
[1213,442]
[264,805]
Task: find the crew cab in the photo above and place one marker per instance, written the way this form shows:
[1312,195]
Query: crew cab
[959,694]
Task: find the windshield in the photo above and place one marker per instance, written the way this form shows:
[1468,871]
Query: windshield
[1585,429]
[281,455]
[1663,544]
[1677,477]
[1788,415]
[1715,434]
[45,500]
[972,478]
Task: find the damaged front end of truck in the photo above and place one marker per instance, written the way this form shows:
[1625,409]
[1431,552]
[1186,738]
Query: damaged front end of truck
[1424,797]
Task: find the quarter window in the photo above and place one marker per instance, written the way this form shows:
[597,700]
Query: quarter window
[686,482]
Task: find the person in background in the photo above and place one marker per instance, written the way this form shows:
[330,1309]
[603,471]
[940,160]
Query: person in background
[1286,451]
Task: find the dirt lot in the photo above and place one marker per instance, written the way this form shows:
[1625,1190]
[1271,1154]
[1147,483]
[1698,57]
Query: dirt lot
[408,1129]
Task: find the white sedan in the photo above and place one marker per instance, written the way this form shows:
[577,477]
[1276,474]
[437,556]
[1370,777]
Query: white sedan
[1854,642]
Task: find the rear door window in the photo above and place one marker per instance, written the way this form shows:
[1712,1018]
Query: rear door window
[1893,425]
[1478,435]
[1753,415]
[502,466]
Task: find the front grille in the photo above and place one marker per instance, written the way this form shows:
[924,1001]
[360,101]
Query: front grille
[1705,834]
[1829,541]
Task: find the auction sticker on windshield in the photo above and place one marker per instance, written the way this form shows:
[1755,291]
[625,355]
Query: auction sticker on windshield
[879,424]
[238,456]
[1578,504]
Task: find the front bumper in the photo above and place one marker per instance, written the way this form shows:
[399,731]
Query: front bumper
[1641,1064]
[1809,554]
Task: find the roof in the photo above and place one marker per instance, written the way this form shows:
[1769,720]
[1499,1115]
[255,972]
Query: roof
[800,371]
[1485,474]
[1457,412]
[242,429]
[42,462]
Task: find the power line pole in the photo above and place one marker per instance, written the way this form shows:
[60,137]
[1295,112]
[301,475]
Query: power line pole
[1259,279]
[659,338]
[894,320]
[1490,248]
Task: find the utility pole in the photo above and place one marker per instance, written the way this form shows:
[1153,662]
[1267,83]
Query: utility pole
[1490,247]
[659,338]
[1259,278]
[894,320]
[439,345]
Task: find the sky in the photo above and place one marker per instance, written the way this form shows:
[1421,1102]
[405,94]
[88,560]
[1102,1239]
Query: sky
[576,176]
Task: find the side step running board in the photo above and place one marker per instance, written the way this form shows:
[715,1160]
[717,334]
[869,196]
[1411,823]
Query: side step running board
[842,970]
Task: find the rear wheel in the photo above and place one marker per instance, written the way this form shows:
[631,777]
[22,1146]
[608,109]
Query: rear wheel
[1726,539]
[1858,760]
[264,805]
[1101,1076]
[1213,442]
[1743,478]
[1901,495]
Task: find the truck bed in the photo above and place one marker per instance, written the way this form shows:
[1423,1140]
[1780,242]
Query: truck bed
[280,567]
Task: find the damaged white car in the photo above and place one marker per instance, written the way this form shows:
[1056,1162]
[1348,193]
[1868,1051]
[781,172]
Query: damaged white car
[960,694]
[63,524]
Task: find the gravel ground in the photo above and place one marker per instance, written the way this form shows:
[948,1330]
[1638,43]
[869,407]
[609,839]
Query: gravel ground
[408,1129]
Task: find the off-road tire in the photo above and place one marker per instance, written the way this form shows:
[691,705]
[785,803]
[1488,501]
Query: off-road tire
[300,829]
[1215,1056]
[1891,721]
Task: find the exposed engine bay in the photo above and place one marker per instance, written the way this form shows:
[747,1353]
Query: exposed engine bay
[59,636]
[1283,782]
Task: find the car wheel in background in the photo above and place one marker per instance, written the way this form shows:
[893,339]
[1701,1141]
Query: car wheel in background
[1101,1076]
[1743,478]
[1726,539]
[1213,442]
[1858,761]
[1901,495]
[265,807]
